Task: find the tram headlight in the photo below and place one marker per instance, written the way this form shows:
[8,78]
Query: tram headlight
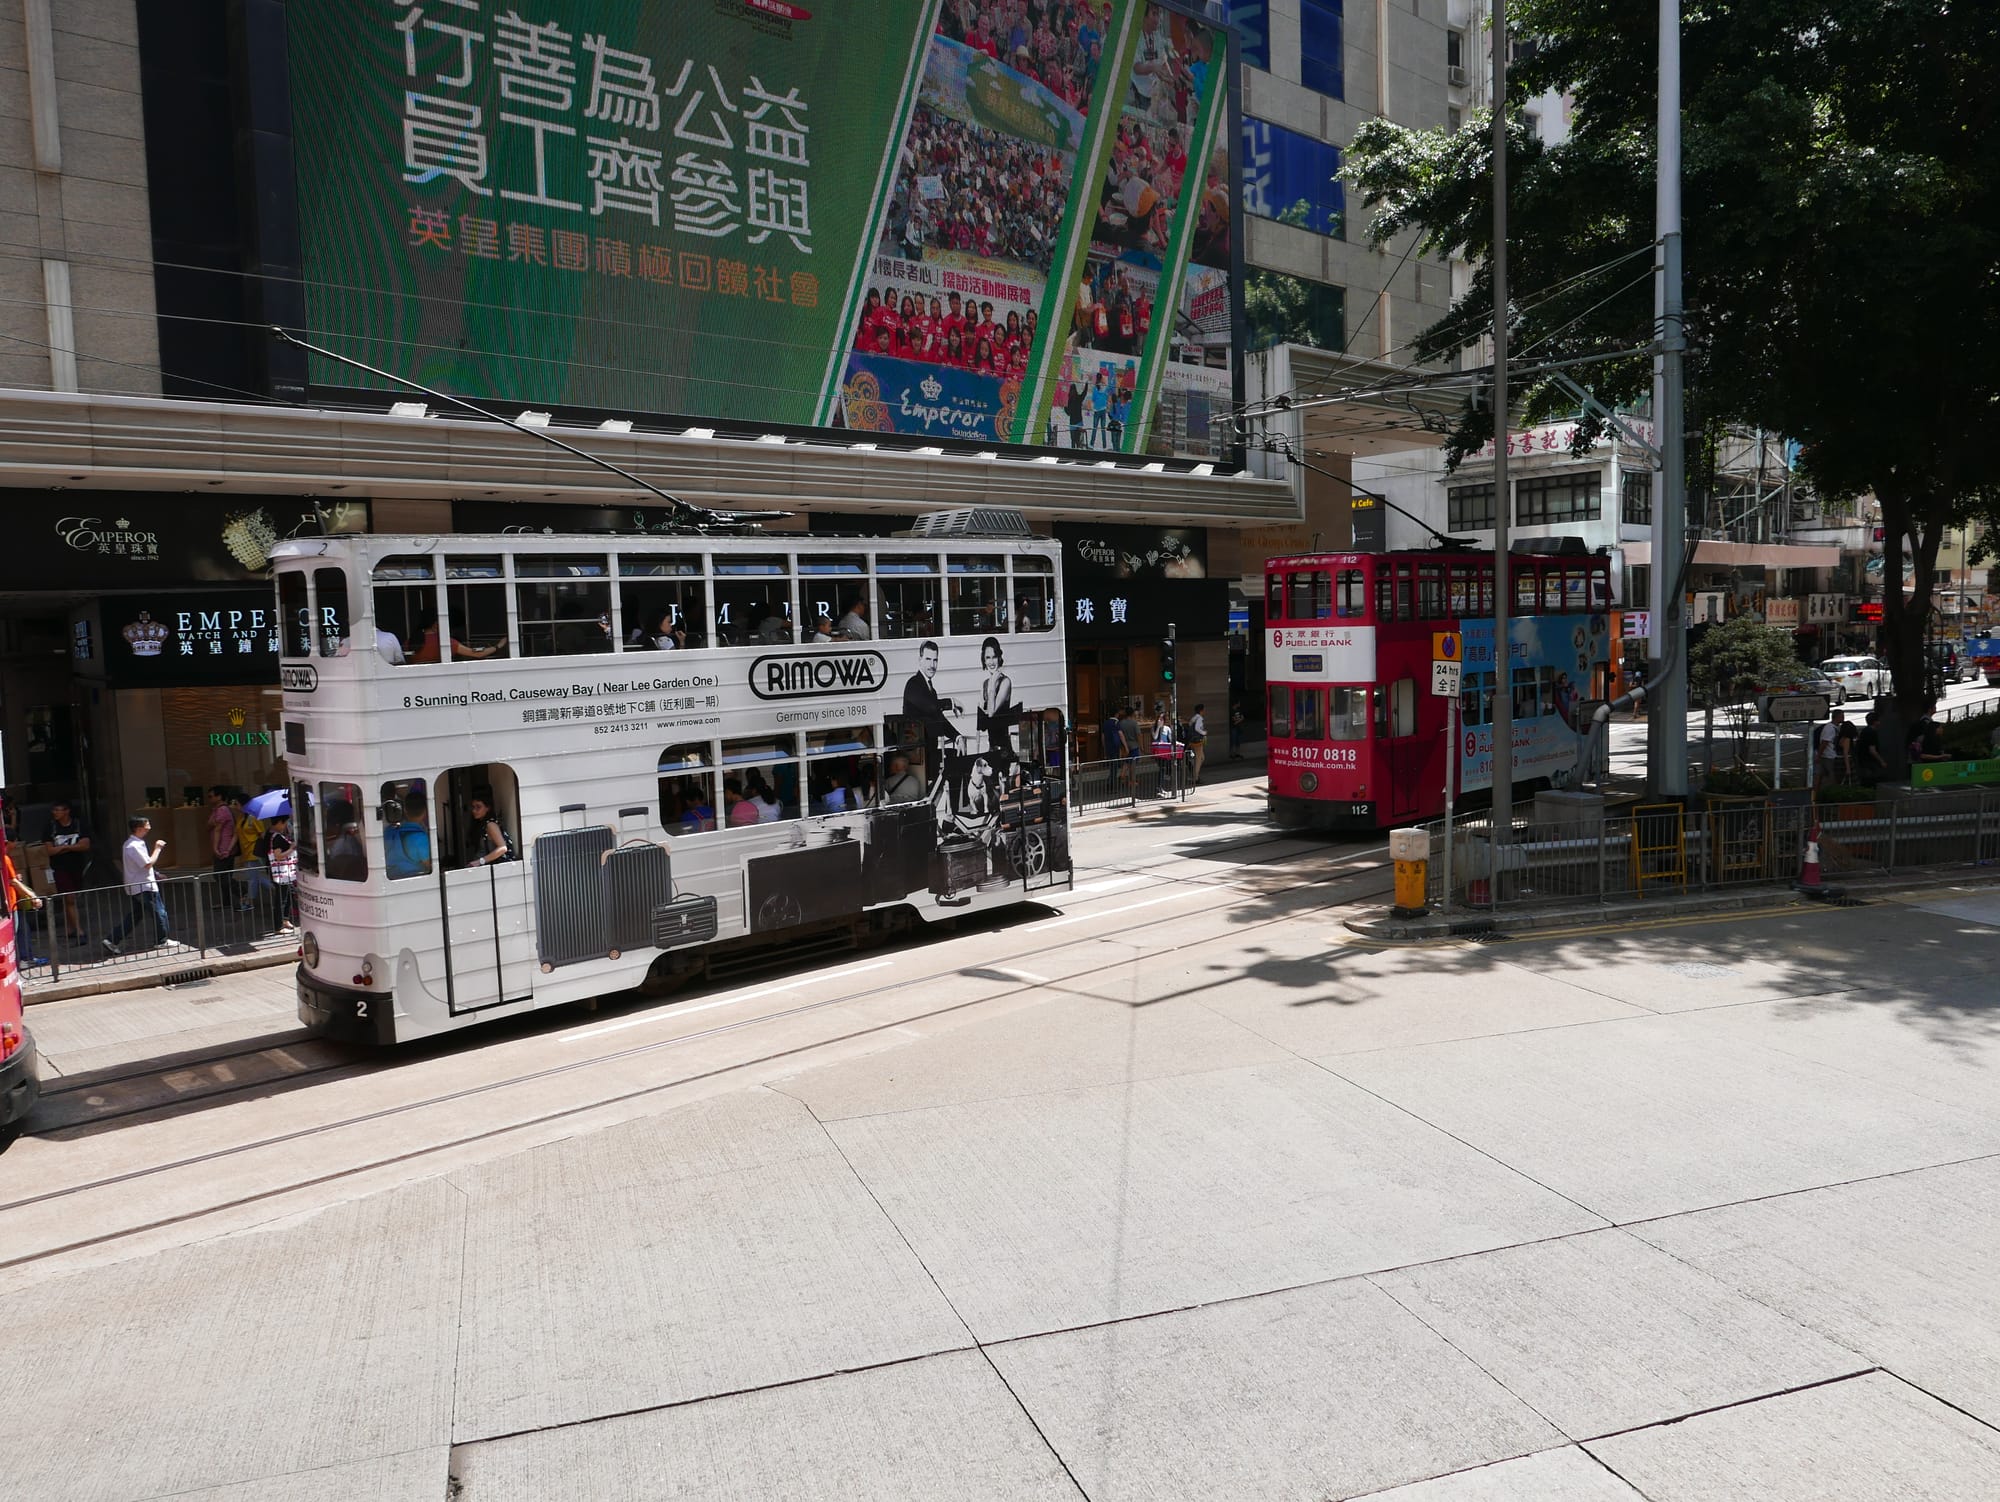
[309,950]
[1309,782]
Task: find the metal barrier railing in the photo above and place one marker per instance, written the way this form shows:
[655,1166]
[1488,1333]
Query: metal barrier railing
[1653,848]
[1128,782]
[104,930]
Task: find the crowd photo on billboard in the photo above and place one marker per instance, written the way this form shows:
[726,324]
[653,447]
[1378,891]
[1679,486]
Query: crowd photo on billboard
[1059,44]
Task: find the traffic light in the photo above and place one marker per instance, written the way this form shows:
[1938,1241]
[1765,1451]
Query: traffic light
[1167,660]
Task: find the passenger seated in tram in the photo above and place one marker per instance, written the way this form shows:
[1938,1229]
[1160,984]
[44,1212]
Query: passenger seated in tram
[758,793]
[407,844]
[822,628]
[773,630]
[661,632]
[427,650]
[346,857]
[902,785]
[854,625]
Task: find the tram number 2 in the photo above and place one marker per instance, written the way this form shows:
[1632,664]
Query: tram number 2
[360,1008]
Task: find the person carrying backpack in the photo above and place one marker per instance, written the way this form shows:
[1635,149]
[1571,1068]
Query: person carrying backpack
[280,854]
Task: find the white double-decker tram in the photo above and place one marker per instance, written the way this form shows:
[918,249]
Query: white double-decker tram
[529,770]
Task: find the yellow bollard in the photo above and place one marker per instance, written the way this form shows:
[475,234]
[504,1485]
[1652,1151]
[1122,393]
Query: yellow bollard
[1410,849]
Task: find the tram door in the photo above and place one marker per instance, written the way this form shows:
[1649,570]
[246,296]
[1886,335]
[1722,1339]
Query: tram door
[489,949]
[1409,752]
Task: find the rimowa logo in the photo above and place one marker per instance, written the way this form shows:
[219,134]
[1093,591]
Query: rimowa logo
[821,675]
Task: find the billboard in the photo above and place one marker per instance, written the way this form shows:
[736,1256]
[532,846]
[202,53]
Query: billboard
[910,216]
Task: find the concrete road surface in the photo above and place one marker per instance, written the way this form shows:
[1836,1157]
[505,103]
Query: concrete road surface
[1171,1190]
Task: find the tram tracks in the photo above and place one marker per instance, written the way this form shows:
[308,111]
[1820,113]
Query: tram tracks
[1355,881]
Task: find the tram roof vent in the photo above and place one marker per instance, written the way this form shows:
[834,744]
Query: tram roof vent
[987,523]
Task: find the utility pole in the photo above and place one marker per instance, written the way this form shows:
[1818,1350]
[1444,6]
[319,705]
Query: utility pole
[1503,495]
[1666,718]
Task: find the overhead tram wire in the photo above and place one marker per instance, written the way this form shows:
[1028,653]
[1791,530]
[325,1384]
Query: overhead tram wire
[695,518]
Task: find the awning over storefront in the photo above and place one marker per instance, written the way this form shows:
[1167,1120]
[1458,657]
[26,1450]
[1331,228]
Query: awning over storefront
[1745,554]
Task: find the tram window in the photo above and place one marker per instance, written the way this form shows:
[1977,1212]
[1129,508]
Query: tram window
[458,838]
[305,826]
[664,614]
[475,594]
[1406,604]
[760,780]
[1274,597]
[906,563]
[1308,713]
[1385,594]
[841,769]
[1034,604]
[660,566]
[909,607]
[978,606]
[1482,589]
[1430,590]
[330,610]
[406,622]
[1311,596]
[1552,589]
[406,829]
[1545,680]
[346,848]
[1458,595]
[1351,597]
[1600,587]
[1280,727]
[1524,588]
[1347,715]
[1478,693]
[687,788]
[1525,697]
[564,600]
[295,613]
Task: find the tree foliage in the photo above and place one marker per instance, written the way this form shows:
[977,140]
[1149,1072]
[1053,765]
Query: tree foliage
[1841,234]
[1739,658]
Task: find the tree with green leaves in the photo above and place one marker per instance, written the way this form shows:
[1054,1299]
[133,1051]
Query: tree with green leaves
[1841,228]
[1739,658]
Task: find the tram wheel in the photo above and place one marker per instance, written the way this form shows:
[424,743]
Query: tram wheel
[780,910]
[1033,855]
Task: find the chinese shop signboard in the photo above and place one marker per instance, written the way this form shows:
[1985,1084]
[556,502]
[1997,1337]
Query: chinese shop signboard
[935,222]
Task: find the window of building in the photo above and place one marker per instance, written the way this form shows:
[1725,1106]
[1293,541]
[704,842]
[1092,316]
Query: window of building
[1454,49]
[1252,20]
[1293,178]
[1283,309]
[1319,47]
[1454,118]
[1559,498]
[1469,507]
[1635,505]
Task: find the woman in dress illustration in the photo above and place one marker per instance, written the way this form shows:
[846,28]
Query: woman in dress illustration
[997,710]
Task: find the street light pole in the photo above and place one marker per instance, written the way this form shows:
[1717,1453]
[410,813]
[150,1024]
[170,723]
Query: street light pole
[1666,721]
[1503,497]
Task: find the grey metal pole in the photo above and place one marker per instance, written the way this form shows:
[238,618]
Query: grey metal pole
[1503,495]
[1450,761]
[1666,722]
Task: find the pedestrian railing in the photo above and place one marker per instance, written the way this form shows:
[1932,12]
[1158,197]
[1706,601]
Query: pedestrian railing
[1705,846]
[1128,783]
[104,930]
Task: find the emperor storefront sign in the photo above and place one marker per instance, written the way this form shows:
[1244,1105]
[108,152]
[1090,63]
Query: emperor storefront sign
[716,209]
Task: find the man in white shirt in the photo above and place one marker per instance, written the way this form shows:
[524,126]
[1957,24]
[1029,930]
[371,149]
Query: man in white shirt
[389,645]
[142,885]
[854,625]
[1197,733]
[1830,763]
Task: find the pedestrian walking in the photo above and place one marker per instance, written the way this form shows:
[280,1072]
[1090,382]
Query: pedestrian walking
[1870,765]
[222,841]
[1197,735]
[1236,730]
[1128,735]
[1114,740]
[142,885]
[1829,747]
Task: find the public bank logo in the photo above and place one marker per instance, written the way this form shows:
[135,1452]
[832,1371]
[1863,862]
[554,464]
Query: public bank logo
[820,676]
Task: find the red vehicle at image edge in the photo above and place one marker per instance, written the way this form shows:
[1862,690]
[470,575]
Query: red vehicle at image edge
[1358,740]
[20,1082]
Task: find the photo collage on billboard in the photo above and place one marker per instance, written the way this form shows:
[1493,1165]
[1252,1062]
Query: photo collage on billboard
[1164,149]
[952,310]
[712,211]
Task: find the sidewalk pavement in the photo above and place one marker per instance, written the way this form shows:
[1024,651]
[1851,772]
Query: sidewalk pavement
[1710,1213]
[160,966]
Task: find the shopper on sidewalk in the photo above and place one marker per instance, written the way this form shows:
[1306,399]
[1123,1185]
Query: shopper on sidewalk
[221,841]
[1197,735]
[281,859]
[23,902]
[68,839]
[142,885]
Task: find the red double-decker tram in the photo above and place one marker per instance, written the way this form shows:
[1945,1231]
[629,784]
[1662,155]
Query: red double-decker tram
[1357,739]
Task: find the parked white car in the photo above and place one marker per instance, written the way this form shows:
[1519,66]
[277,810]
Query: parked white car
[1862,677]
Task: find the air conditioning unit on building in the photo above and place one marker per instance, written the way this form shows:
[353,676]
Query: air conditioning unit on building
[1456,76]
